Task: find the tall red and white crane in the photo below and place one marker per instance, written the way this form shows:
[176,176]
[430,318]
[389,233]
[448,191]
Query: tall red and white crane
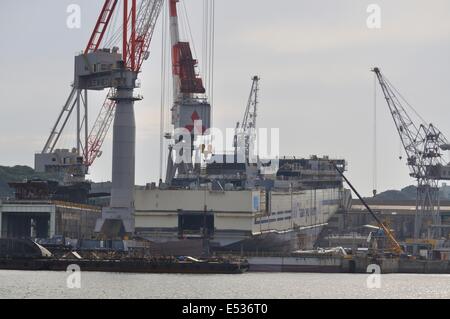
[186,82]
[191,111]
[139,23]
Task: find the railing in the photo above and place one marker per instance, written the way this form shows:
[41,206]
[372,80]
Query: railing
[77,205]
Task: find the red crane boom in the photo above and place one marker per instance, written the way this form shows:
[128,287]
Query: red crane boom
[101,26]
[139,24]
[94,42]
[142,34]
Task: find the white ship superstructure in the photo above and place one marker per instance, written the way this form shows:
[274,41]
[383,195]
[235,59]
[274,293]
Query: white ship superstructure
[269,217]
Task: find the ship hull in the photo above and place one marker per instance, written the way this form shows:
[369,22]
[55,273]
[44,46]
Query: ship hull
[274,241]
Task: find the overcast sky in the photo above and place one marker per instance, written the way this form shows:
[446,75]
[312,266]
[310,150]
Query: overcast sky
[314,58]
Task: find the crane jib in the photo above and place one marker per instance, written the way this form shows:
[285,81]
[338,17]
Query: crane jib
[423,143]
[138,41]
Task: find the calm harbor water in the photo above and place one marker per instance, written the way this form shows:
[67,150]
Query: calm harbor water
[22,284]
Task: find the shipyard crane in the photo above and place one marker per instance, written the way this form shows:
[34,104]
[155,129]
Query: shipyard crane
[191,111]
[145,26]
[423,143]
[137,31]
[245,130]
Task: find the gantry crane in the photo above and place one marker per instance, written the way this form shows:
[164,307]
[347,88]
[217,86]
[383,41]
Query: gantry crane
[423,144]
[137,31]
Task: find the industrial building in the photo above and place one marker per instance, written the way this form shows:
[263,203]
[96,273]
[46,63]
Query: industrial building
[46,219]
[399,215]
[44,209]
[352,228]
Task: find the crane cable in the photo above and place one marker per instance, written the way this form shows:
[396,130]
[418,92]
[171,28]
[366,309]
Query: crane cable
[188,28]
[164,68]
[212,51]
[375,140]
[208,49]
[204,40]
[110,33]
[211,15]
[406,101]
